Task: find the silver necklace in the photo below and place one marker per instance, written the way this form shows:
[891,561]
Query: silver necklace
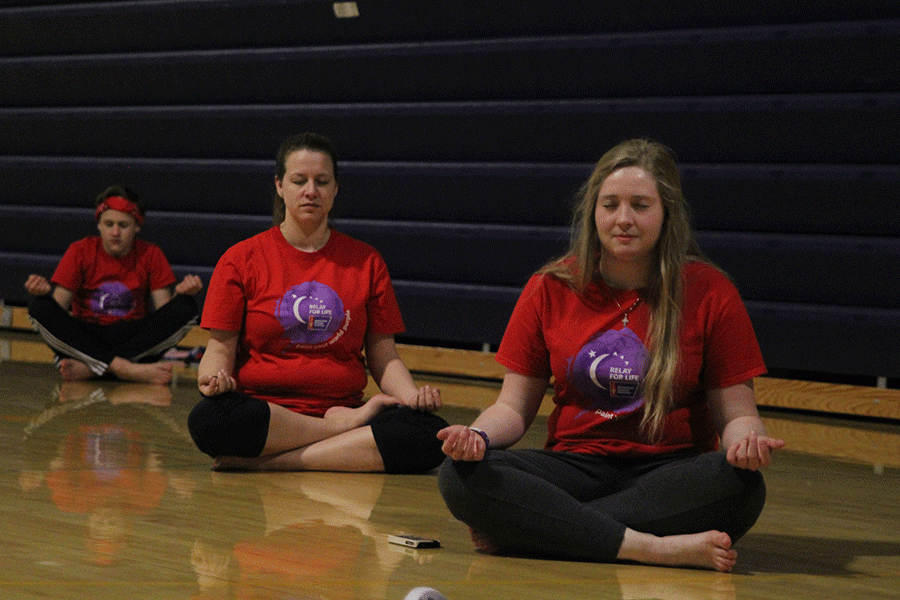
[627,312]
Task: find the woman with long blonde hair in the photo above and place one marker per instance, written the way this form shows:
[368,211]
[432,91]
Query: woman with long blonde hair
[662,290]
[653,356]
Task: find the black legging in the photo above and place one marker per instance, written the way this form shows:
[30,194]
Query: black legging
[95,344]
[577,507]
[235,424]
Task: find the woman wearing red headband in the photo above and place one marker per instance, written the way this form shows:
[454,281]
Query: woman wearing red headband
[94,311]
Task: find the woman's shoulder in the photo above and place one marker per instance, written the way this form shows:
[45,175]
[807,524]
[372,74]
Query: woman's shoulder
[705,280]
[83,251]
[699,271]
[548,288]
[340,238]
[350,246]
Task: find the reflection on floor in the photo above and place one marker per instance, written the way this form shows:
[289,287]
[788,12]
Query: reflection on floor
[104,495]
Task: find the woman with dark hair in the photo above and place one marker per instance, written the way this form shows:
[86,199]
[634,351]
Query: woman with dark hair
[109,307]
[653,356]
[296,315]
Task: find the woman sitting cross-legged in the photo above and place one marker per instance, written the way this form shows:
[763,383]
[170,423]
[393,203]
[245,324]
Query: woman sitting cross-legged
[112,307]
[653,357]
[296,315]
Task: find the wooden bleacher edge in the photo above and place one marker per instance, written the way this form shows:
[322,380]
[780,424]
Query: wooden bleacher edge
[471,378]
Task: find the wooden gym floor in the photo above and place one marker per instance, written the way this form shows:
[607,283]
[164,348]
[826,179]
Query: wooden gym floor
[103,495]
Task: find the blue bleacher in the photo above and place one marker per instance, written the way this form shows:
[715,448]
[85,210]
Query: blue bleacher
[464,130]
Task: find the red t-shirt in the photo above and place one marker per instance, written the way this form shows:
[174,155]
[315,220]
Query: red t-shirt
[302,317]
[107,289]
[598,363]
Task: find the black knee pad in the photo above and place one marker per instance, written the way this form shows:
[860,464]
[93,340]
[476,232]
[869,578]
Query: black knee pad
[407,439]
[231,424]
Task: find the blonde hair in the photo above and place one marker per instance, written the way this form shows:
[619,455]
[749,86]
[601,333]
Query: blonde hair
[580,266]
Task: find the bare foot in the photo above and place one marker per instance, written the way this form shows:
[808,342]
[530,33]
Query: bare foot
[158,373]
[708,550]
[346,418]
[74,370]
[484,543]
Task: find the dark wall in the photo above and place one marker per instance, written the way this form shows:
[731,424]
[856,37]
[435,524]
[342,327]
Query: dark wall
[464,129]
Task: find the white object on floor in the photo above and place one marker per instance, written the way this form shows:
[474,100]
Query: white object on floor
[424,593]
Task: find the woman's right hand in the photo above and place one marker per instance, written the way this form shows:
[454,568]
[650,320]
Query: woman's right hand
[213,385]
[461,443]
[38,285]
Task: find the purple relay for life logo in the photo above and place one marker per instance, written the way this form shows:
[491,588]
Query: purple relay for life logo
[608,371]
[112,298]
[310,313]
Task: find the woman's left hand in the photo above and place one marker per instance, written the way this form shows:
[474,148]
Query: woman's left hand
[427,399]
[38,285]
[753,452]
[461,443]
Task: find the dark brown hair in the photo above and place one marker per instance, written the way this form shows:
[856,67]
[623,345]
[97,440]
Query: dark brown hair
[301,141]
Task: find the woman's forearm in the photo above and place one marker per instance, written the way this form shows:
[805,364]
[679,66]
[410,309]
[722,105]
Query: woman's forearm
[503,425]
[394,379]
[740,427]
[220,353]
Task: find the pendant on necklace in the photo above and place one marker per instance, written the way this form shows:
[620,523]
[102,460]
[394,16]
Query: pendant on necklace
[627,312]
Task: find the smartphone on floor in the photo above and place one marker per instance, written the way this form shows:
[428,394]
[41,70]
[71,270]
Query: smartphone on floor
[413,541]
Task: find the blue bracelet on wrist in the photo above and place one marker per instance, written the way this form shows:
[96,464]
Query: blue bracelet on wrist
[484,436]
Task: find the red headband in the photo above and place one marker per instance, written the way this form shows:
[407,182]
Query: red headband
[122,205]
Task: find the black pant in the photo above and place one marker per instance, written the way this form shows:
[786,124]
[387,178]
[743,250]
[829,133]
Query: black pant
[95,344]
[577,507]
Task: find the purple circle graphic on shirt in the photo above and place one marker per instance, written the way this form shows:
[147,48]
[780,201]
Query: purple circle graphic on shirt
[310,313]
[112,298]
[608,371]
